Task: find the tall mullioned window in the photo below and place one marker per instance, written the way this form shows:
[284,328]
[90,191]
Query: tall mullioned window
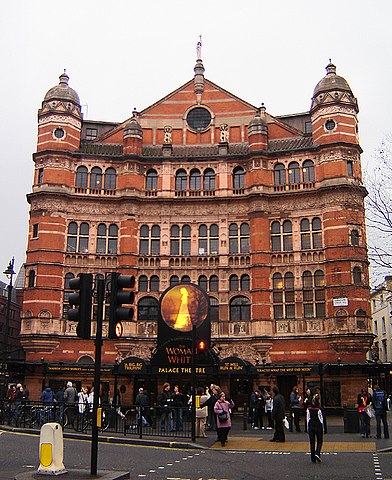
[151,180]
[78,237]
[311,234]
[239,238]
[150,240]
[107,238]
[313,294]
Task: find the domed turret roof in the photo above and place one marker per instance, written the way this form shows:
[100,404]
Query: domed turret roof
[331,81]
[62,91]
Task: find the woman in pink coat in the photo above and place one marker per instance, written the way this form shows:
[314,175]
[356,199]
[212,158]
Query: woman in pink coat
[223,418]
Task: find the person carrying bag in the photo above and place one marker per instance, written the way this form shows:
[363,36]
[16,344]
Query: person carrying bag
[222,410]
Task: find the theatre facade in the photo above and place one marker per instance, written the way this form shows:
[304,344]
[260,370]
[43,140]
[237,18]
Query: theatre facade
[264,213]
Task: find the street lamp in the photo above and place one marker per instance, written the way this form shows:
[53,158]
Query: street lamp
[9,273]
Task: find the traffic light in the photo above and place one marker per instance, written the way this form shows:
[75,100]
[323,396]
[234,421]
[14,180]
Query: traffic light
[202,352]
[117,298]
[82,298]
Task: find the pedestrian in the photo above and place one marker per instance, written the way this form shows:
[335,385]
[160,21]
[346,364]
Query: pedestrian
[268,410]
[257,404]
[363,401]
[380,408]
[295,400]
[222,411]
[201,413]
[165,402]
[82,400]
[59,397]
[214,392]
[179,403]
[307,401]
[142,403]
[47,395]
[278,413]
[315,426]
[70,397]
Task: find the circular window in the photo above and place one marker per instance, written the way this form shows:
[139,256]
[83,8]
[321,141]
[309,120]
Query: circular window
[59,133]
[198,119]
[330,124]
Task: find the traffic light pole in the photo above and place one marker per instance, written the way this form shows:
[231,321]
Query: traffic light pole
[97,375]
[193,412]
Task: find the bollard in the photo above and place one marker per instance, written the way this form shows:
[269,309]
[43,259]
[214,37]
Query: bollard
[51,450]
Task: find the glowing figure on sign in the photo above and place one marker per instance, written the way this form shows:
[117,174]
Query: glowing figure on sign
[183,317]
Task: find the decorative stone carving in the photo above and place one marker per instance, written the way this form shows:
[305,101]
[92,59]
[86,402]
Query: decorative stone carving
[60,119]
[167,139]
[224,133]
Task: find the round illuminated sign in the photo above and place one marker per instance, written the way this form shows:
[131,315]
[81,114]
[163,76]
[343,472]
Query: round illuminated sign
[119,329]
[184,306]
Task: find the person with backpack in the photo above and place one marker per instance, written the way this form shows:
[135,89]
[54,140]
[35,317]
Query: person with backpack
[380,408]
[315,427]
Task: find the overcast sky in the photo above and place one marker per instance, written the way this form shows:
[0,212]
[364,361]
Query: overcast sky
[130,53]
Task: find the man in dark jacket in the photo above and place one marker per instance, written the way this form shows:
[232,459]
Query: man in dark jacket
[278,413]
[142,403]
[380,407]
[165,402]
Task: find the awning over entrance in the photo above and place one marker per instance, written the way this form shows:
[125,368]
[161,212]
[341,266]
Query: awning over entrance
[133,366]
[234,365]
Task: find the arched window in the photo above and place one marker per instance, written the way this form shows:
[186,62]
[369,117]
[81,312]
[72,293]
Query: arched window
[96,178]
[110,179]
[181,181]
[214,239]
[279,174]
[154,283]
[360,313]
[143,283]
[185,279]
[67,278]
[83,237]
[239,309]
[148,309]
[294,175]
[233,283]
[277,295]
[155,240]
[308,171]
[174,280]
[307,294]
[81,177]
[203,240]
[287,236]
[72,237]
[238,178]
[289,295]
[101,238]
[31,279]
[144,240]
[174,240]
[151,180]
[276,243]
[195,180]
[244,238]
[186,240]
[245,282]
[113,238]
[214,283]
[203,282]
[214,309]
[233,238]
[354,237]
[357,276]
[311,234]
[209,179]
[316,233]
[313,294]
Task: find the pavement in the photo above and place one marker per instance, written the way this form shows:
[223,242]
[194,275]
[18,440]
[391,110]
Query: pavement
[335,440]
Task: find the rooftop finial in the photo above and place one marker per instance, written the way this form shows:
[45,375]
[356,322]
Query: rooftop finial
[198,48]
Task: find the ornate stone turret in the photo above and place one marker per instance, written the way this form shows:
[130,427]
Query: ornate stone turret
[60,118]
[334,110]
[133,136]
[258,131]
[199,74]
